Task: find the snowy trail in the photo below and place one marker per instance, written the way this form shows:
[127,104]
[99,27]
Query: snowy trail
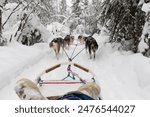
[31,71]
[117,74]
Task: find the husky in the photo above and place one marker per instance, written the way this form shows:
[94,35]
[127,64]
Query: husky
[91,46]
[56,44]
[68,40]
[82,39]
[28,90]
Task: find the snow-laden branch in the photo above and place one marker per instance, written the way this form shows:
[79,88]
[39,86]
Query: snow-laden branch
[68,18]
[13,11]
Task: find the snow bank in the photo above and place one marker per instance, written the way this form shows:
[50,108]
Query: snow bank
[16,57]
[36,24]
[123,75]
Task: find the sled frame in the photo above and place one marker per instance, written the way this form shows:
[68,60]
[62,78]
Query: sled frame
[40,82]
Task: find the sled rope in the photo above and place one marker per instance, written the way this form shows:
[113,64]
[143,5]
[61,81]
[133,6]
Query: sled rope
[78,53]
[73,57]
[74,50]
[70,73]
[67,54]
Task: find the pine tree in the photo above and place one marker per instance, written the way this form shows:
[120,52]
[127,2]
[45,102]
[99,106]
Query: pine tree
[2,4]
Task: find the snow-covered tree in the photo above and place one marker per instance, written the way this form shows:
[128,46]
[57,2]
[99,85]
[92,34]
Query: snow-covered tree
[87,14]
[2,4]
[94,18]
[22,24]
[144,45]
[63,7]
[76,8]
[125,21]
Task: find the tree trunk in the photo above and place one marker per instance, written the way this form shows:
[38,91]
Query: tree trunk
[1,41]
[0,22]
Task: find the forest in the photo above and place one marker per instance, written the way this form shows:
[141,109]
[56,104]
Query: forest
[127,24]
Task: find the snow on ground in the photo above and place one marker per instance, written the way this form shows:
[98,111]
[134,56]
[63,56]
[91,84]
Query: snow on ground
[15,58]
[121,75]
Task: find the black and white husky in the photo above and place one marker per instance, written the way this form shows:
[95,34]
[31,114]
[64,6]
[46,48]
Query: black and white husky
[82,39]
[91,46]
[56,44]
[28,90]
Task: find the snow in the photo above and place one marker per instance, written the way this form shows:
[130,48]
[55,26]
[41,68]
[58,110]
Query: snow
[14,18]
[11,61]
[121,75]
[69,2]
[146,7]
[11,27]
[57,29]
[146,29]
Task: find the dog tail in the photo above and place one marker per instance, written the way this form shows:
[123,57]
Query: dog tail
[51,44]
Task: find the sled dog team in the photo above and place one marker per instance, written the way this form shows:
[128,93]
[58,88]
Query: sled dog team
[91,44]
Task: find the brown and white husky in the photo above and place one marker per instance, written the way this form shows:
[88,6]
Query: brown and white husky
[56,44]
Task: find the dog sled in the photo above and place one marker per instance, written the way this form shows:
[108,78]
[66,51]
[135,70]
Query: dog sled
[70,82]
[71,87]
